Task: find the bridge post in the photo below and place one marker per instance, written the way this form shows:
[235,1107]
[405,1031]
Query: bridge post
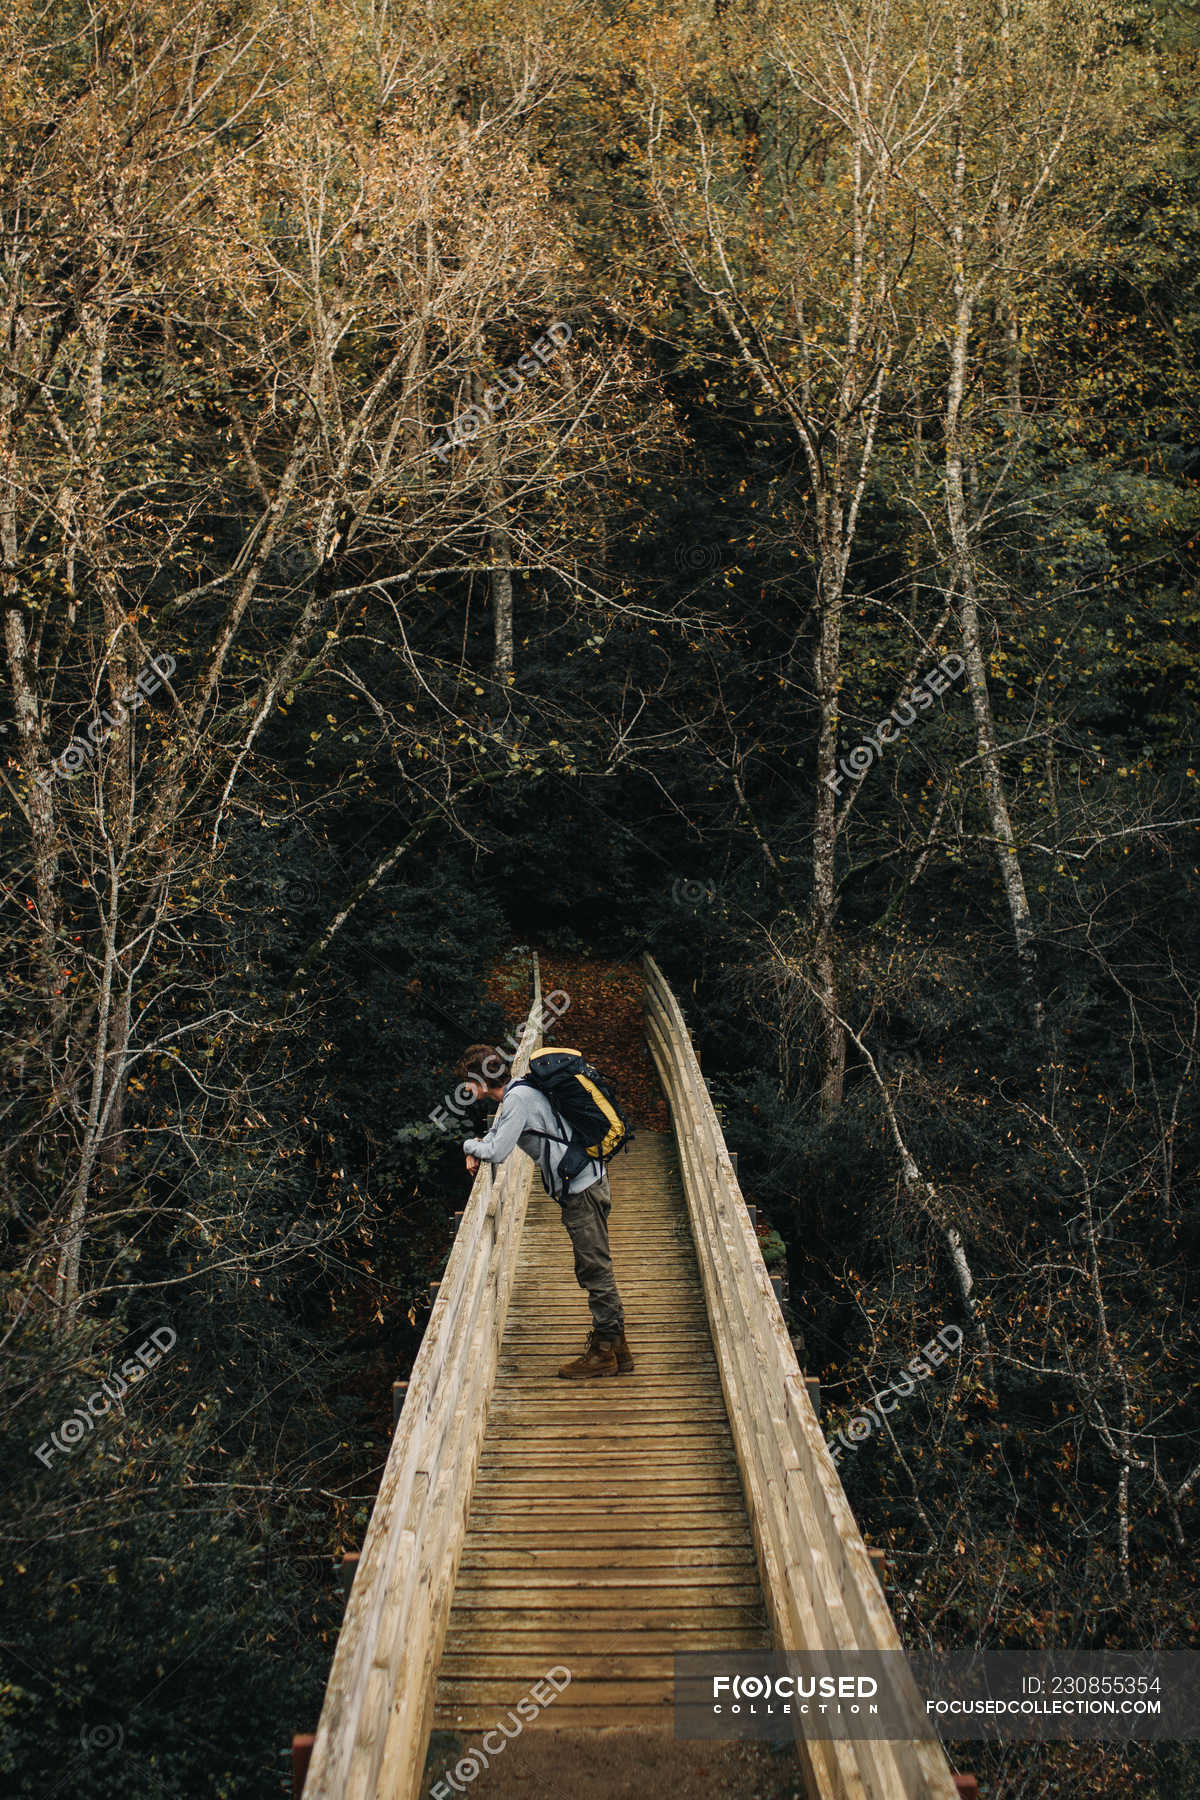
[347,1573]
[399,1392]
[302,1743]
[813,1385]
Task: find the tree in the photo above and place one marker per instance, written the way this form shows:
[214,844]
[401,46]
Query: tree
[230,297]
[798,232]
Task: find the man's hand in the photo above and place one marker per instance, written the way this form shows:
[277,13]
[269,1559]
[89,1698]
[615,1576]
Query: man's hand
[472,1165]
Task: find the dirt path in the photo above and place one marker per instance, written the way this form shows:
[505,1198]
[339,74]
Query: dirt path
[603,1021]
[620,1765]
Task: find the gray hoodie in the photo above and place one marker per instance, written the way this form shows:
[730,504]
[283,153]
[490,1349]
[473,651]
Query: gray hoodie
[523,1112]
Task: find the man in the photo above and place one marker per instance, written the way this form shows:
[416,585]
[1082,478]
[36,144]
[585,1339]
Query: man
[526,1118]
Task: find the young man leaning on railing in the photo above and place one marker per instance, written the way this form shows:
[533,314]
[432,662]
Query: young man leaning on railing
[528,1120]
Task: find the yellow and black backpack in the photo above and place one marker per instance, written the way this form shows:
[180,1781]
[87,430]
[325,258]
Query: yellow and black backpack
[585,1106]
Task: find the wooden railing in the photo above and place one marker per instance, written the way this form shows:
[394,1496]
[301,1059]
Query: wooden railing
[375,1722]
[822,1593]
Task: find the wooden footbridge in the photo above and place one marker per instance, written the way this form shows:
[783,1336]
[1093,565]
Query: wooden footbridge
[523,1522]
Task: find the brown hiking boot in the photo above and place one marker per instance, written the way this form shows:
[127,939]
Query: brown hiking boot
[597,1359]
[623,1354]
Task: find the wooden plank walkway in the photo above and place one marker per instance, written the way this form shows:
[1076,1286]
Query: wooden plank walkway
[607,1528]
[523,1522]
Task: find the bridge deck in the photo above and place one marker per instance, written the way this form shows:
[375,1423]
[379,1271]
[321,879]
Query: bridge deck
[607,1528]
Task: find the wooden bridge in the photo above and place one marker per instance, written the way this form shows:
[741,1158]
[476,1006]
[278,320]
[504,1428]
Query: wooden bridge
[523,1522]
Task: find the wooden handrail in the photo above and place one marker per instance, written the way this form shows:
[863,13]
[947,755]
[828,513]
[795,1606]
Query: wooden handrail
[822,1593]
[374,1725]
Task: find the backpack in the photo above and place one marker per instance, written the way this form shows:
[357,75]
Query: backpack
[585,1106]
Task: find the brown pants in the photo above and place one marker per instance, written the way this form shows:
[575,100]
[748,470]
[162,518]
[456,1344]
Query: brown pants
[585,1216]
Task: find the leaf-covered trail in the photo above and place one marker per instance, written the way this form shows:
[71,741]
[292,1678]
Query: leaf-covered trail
[603,1021]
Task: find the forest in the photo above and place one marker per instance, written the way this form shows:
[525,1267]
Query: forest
[590,476]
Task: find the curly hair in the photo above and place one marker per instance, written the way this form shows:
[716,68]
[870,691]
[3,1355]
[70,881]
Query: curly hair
[485,1064]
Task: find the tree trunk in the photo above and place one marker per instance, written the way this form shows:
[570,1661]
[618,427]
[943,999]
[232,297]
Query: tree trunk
[825,834]
[963,579]
[500,542]
[67,1281]
[115,774]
